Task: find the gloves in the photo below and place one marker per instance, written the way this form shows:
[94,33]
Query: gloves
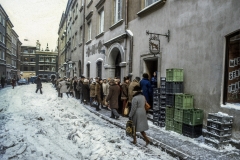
[130,118]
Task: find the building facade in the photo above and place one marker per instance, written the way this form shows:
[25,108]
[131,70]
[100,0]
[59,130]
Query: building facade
[46,63]
[18,62]
[201,37]
[28,61]
[3,48]
[14,56]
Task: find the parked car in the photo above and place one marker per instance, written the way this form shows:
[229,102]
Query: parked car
[32,79]
[22,81]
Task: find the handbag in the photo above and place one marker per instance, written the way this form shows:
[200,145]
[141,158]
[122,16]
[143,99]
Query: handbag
[147,106]
[126,109]
[130,129]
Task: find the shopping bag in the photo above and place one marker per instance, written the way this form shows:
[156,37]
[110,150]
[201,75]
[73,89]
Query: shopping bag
[126,110]
[130,128]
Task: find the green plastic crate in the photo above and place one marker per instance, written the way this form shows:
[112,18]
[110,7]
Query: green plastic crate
[174,75]
[184,101]
[193,117]
[177,127]
[169,124]
[178,115]
[169,112]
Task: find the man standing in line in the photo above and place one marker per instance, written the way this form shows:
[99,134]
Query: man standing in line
[98,90]
[81,88]
[38,82]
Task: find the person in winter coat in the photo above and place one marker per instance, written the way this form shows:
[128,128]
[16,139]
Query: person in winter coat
[134,83]
[86,90]
[146,88]
[105,87]
[13,82]
[154,80]
[124,93]
[112,98]
[98,92]
[38,82]
[2,81]
[63,87]
[92,92]
[80,88]
[138,114]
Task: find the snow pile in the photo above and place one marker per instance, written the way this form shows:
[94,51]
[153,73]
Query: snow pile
[35,126]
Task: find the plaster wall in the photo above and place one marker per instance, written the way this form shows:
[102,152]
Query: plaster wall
[197,44]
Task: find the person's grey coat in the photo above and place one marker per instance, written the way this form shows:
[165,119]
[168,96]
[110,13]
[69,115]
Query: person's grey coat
[138,112]
[63,87]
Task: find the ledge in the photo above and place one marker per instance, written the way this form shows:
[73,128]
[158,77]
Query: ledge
[119,23]
[116,39]
[153,7]
[89,4]
[88,17]
[88,42]
[99,4]
[80,10]
[99,35]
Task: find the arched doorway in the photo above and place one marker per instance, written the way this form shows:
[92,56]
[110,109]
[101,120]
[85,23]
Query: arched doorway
[115,61]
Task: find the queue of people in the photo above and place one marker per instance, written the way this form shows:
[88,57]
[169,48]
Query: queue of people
[113,95]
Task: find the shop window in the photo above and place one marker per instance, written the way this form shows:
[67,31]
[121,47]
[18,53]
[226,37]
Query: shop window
[99,69]
[232,69]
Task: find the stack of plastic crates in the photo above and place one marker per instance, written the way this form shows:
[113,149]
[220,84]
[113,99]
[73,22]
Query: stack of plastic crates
[162,100]
[219,130]
[156,106]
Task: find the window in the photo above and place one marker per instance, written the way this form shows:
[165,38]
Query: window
[149,2]
[2,54]
[232,69]
[41,59]
[25,59]
[47,59]
[53,60]
[101,21]
[117,10]
[53,69]
[3,22]
[25,68]
[32,59]
[41,67]
[89,31]
[1,37]
[88,70]
[99,69]
[32,68]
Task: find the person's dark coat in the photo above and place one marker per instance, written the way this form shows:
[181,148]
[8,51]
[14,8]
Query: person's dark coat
[112,98]
[38,82]
[124,91]
[3,81]
[138,112]
[146,89]
[86,90]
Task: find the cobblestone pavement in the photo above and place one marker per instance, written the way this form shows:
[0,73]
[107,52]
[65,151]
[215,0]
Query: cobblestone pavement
[174,143]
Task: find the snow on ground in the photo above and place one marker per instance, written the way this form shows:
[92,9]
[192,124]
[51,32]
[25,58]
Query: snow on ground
[35,126]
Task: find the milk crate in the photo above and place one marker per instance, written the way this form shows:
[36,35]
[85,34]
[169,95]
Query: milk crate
[174,87]
[162,111]
[156,123]
[156,107]
[220,118]
[178,115]
[169,112]
[162,124]
[162,91]
[170,99]
[192,131]
[177,127]
[217,138]
[219,132]
[170,124]
[162,106]
[156,91]
[219,125]
[215,144]
[163,81]
[184,101]
[193,117]
[174,75]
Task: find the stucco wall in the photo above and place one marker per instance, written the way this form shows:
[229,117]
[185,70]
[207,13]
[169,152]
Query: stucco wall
[197,44]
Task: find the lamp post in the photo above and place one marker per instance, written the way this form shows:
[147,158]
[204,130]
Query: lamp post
[65,65]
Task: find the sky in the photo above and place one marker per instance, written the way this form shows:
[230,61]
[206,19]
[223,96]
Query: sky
[36,20]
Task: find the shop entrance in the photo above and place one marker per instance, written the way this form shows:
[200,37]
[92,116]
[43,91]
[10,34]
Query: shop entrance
[151,65]
[117,64]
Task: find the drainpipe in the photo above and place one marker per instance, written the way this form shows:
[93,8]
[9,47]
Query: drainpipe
[83,38]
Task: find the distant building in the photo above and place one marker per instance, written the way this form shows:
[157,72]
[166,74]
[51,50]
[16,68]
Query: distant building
[3,17]
[46,63]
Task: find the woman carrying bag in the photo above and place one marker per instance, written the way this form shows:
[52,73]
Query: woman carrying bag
[138,114]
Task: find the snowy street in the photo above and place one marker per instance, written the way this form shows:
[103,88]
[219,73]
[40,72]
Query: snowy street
[44,126]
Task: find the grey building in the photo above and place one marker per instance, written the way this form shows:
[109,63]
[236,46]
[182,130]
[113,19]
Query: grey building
[3,16]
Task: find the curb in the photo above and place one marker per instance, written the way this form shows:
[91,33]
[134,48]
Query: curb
[164,147]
